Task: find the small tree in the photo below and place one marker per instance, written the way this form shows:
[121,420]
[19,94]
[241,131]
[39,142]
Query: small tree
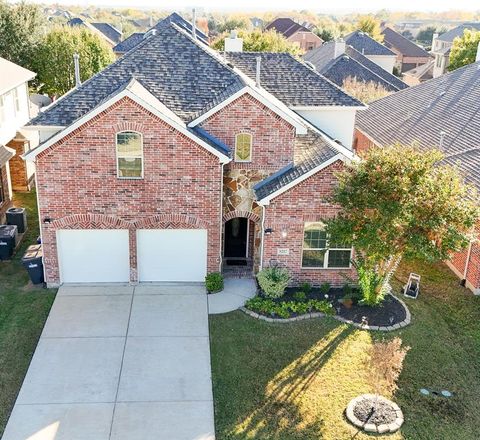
[371,26]
[400,201]
[464,49]
[257,41]
[364,91]
[54,59]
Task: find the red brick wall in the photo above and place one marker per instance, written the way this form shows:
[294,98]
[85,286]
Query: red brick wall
[18,169]
[306,40]
[306,202]
[273,139]
[361,142]
[78,175]
[459,260]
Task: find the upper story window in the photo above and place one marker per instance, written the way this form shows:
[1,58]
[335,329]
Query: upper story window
[129,155]
[320,252]
[16,100]
[243,147]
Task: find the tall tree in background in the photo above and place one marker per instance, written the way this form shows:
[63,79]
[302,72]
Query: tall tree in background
[371,26]
[364,91]
[464,49]
[21,29]
[54,59]
[257,41]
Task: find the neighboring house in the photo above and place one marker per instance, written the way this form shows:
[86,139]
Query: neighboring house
[130,42]
[338,61]
[442,44]
[14,114]
[409,55]
[442,113]
[295,33]
[419,74]
[108,32]
[372,49]
[186,162]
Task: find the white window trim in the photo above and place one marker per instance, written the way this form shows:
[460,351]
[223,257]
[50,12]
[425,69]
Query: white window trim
[251,147]
[16,101]
[140,157]
[327,250]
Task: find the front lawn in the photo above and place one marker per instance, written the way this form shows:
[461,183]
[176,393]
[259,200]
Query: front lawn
[23,311]
[293,381]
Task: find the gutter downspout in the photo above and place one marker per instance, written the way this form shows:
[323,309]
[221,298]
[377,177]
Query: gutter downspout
[263,237]
[467,262]
[221,222]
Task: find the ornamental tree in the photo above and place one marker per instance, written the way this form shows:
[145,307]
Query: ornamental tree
[464,49]
[400,202]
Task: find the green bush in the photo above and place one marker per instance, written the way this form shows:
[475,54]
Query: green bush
[325,288]
[284,309]
[300,296]
[214,282]
[273,281]
[369,283]
[306,287]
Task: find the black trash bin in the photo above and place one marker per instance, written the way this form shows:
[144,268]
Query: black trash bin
[8,241]
[17,216]
[32,261]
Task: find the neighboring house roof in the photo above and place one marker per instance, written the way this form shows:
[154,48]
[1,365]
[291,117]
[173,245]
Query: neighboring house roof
[286,26]
[366,45]
[406,47]
[5,155]
[111,32]
[129,42]
[292,81]
[13,75]
[447,104]
[351,64]
[458,31]
[423,71]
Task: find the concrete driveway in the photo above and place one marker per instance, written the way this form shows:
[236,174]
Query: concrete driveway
[118,363]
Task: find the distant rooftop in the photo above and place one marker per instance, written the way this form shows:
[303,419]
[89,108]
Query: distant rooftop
[286,26]
[458,31]
[406,47]
[366,45]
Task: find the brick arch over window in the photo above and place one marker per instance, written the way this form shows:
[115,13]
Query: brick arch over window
[91,221]
[245,214]
[171,221]
[129,126]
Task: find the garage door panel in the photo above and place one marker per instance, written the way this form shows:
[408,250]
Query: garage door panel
[172,254]
[93,255]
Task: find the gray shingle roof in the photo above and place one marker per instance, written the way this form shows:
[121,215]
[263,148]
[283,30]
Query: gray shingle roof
[311,151]
[286,26]
[109,31]
[291,81]
[178,72]
[366,44]
[403,45]
[129,42]
[458,31]
[449,104]
[351,64]
[185,25]
[5,155]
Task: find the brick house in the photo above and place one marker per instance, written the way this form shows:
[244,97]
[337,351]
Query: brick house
[176,161]
[15,111]
[296,33]
[441,113]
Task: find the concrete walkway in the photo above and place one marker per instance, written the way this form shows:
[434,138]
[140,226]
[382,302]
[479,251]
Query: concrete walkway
[119,363]
[234,295]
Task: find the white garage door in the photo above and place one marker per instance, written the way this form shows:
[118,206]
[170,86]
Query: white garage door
[172,254]
[93,255]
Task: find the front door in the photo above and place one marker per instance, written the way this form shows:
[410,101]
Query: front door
[236,238]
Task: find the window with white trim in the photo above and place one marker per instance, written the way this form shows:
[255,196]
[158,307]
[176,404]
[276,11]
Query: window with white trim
[129,146]
[321,252]
[16,100]
[243,147]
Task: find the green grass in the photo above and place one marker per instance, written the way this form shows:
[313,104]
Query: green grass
[23,311]
[293,381]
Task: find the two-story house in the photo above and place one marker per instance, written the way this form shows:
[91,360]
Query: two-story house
[14,114]
[176,161]
[296,33]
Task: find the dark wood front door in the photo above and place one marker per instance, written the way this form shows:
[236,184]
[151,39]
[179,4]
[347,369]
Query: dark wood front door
[236,237]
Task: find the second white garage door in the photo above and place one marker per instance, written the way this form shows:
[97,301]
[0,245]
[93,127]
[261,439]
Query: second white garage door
[172,254]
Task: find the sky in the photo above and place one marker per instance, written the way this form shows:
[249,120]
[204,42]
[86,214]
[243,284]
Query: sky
[314,5]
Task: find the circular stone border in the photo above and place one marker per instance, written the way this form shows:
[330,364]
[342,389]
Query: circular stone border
[371,427]
[389,328]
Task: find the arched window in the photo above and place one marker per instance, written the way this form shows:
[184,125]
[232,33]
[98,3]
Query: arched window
[129,155]
[243,147]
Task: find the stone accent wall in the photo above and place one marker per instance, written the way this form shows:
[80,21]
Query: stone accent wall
[306,202]
[78,184]
[18,169]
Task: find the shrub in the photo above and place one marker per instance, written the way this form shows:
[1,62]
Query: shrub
[370,282]
[273,281]
[300,296]
[324,288]
[306,287]
[284,309]
[214,282]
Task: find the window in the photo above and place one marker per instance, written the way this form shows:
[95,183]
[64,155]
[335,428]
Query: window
[243,147]
[129,155]
[2,108]
[320,252]
[16,100]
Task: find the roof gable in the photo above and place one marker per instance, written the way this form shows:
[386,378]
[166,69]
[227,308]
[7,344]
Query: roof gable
[13,75]
[286,26]
[458,31]
[366,45]
[402,44]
